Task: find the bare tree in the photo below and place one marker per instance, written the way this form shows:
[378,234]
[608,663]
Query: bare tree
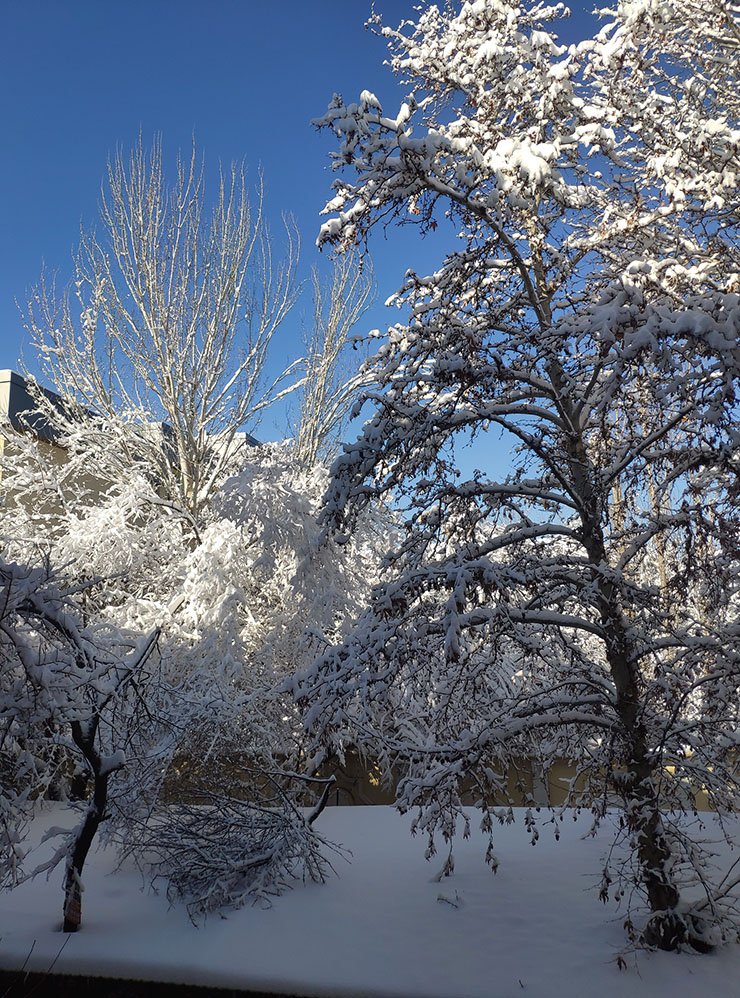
[167,329]
[332,384]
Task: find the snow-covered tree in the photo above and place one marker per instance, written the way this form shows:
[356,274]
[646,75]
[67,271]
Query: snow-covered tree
[589,316]
[157,357]
[235,613]
[64,687]
[256,599]
[681,61]
[163,343]
[169,519]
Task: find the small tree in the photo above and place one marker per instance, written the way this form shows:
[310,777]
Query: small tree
[61,686]
[590,315]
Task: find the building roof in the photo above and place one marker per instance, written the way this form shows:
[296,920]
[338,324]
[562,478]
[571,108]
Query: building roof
[17,406]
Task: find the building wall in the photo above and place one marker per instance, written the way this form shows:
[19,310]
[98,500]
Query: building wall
[17,415]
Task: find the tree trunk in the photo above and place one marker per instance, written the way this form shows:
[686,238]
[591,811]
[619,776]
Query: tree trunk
[84,738]
[667,929]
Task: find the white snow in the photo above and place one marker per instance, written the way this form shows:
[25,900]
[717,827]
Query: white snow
[382,927]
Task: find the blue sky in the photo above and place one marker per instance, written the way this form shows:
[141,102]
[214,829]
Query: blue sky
[245,76]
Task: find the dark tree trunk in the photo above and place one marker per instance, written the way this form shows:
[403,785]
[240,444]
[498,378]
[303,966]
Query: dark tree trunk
[84,738]
[667,928]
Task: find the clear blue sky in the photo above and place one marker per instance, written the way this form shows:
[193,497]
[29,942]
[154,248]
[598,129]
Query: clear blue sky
[79,77]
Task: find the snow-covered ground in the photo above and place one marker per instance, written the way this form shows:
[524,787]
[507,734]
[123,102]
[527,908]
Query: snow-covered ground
[383,926]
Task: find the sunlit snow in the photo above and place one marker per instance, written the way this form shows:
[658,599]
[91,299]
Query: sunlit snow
[384,926]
